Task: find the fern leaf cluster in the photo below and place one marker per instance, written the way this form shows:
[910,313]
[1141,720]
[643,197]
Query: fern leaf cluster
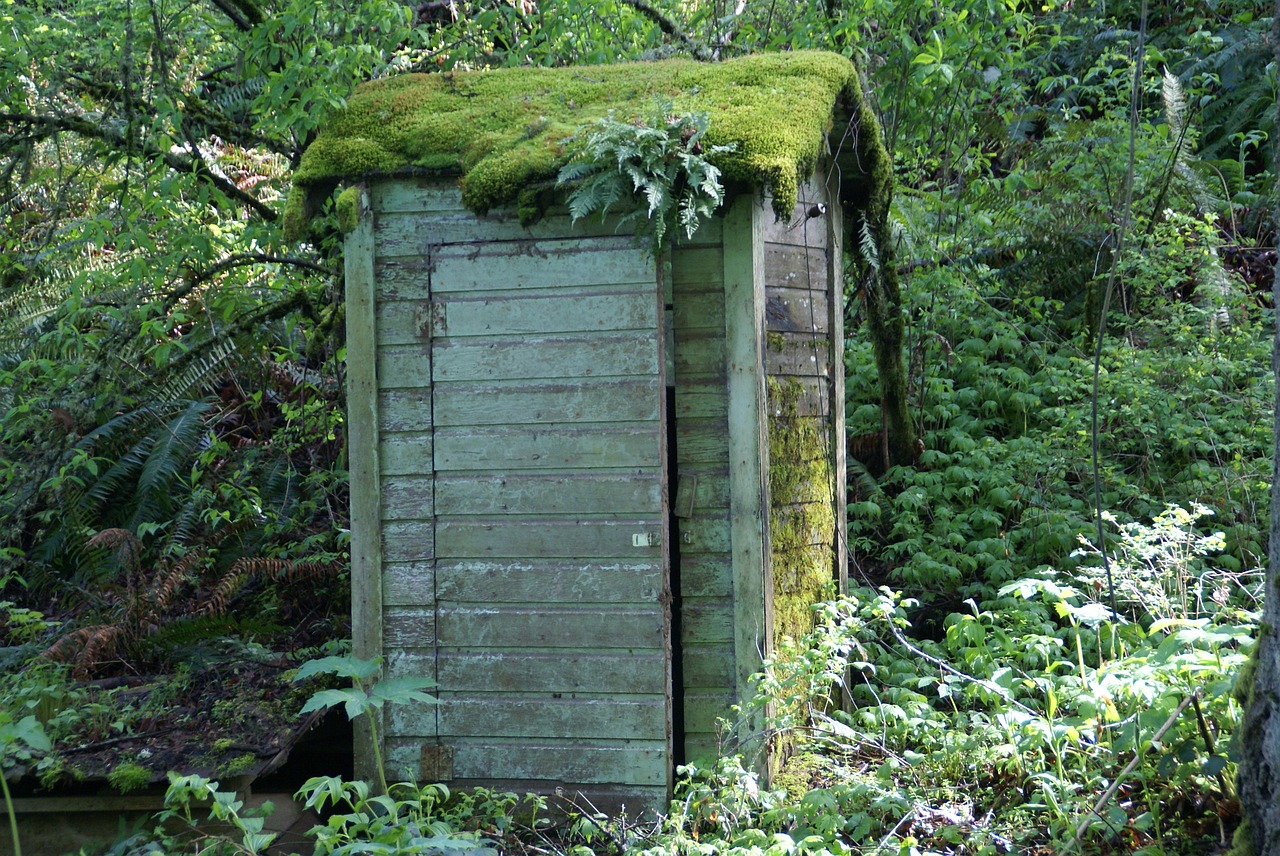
[658,167]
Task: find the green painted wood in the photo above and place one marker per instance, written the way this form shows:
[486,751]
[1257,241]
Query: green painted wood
[406,453]
[533,581]
[708,665]
[706,532]
[547,447]
[408,498]
[700,310]
[699,352]
[403,366]
[703,747]
[408,322]
[548,626]
[404,410]
[703,400]
[707,575]
[406,233]
[632,399]
[568,762]
[415,195]
[559,671]
[744,333]
[707,621]
[408,627]
[539,493]
[700,269]
[586,539]
[408,583]
[569,356]
[559,264]
[798,228]
[703,441]
[517,714]
[367,629]
[408,541]
[703,709]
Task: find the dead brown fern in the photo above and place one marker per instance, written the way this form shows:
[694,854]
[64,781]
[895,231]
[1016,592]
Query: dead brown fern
[149,599]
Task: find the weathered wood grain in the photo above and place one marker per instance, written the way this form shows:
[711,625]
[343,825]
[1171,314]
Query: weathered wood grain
[796,267]
[546,447]
[562,671]
[795,310]
[505,403]
[408,541]
[525,582]
[404,366]
[585,539]
[513,713]
[706,621]
[416,195]
[835,273]
[545,626]
[406,453]
[706,532]
[408,497]
[526,493]
[569,356]
[404,410]
[698,270]
[798,355]
[567,763]
[408,627]
[708,665]
[706,575]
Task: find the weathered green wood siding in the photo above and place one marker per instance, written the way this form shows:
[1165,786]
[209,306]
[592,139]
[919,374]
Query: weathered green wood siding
[522,464]
[805,425]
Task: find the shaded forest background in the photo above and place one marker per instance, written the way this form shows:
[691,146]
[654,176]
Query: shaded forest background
[1078,257]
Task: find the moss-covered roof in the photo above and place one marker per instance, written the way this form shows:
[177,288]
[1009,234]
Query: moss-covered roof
[503,131]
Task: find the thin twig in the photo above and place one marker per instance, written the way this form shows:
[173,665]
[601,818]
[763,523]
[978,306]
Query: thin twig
[1128,768]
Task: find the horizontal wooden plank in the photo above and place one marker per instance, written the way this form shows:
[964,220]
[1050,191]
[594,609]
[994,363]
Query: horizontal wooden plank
[405,453]
[548,447]
[702,400]
[814,397]
[705,532]
[794,310]
[405,232]
[565,764]
[795,267]
[521,314]
[699,354]
[708,666]
[408,627]
[408,540]
[408,497]
[797,355]
[578,356]
[698,311]
[527,493]
[698,269]
[703,441]
[404,366]
[409,583]
[702,710]
[553,671]
[525,582]
[521,402]
[799,228]
[537,264]
[706,575]
[712,491]
[701,747]
[416,195]
[506,626]
[404,409]
[519,715]
[707,621]
[547,538]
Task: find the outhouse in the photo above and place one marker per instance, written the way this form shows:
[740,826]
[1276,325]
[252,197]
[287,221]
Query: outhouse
[592,484]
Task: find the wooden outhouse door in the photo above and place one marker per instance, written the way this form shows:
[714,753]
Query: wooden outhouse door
[548,502]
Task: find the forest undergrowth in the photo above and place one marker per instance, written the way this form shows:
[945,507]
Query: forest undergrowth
[1035,655]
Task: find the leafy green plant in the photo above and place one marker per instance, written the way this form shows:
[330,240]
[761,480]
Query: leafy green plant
[17,736]
[660,158]
[129,776]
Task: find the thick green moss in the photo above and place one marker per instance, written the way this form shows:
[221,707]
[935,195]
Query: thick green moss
[801,514]
[503,132]
[348,206]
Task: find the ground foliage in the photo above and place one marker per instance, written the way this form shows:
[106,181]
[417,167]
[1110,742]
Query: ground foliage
[172,372]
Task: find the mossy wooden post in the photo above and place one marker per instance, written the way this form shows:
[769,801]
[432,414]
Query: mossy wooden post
[748,486]
[362,456]
[835,318]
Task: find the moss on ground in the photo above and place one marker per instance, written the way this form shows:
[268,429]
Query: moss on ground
[503,132]
[801,514]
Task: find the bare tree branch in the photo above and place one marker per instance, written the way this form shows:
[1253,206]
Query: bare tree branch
[671,28]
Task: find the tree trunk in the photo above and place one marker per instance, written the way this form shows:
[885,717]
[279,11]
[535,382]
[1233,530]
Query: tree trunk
[1259,774]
